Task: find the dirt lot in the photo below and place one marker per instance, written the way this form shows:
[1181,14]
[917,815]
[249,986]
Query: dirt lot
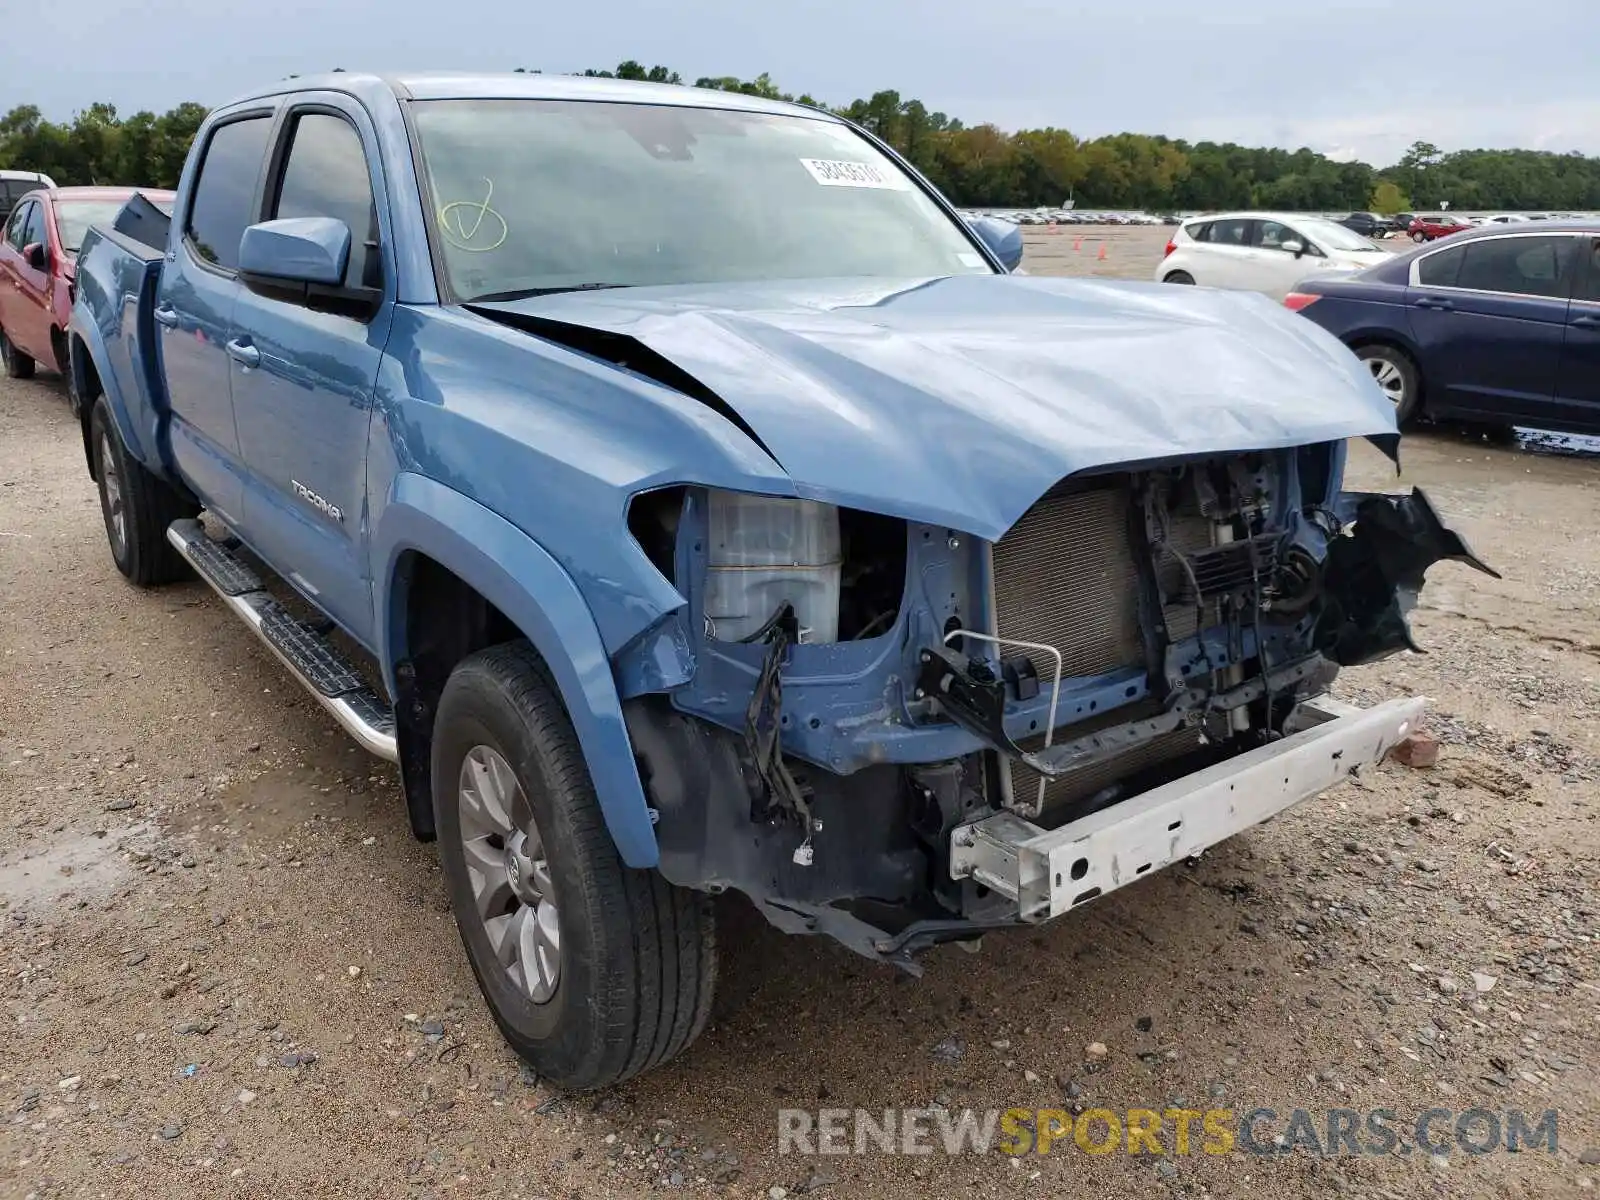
[228,968]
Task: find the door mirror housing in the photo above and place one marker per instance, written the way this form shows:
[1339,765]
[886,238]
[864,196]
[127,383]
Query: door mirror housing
[37,255]
[1296,248]
[296,250]
[1003,239]
[302,260]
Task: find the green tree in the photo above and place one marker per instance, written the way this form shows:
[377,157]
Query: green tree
[1388,199]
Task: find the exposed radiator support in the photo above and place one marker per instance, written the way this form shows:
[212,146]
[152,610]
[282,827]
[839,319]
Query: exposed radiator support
[1066,575]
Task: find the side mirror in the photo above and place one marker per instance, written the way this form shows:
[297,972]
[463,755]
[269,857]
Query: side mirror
[1294,248]
[302,260]
[37,255]
[296,250]
[1002,237]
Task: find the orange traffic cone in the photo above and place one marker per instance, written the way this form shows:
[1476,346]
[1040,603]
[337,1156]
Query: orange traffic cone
[1077,244]
[1102,254]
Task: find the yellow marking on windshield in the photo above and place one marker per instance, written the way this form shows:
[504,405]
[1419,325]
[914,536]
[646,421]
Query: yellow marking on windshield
[454,217]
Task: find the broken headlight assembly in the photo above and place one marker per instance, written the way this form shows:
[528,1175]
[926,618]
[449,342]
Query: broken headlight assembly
[767,552]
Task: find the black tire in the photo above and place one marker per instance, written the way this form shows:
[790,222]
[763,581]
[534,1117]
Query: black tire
[1179,277]
[17,364]
[637,958]
[1390,365]
[1419,237]
[147,506]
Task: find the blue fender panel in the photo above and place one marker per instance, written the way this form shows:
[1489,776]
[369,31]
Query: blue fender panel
[139,441]
[517,576]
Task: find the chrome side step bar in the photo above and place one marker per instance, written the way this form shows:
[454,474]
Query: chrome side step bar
[311,659]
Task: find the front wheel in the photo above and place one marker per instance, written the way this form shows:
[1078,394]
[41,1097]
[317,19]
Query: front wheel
[1419,237]
[593,971]
[17,364]
[1396,376]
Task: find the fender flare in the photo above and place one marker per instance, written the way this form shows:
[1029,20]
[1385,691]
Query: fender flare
[520,578]
[84,337]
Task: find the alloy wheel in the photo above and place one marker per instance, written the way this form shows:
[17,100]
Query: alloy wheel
[1389,379]
[116,514]
[509,871]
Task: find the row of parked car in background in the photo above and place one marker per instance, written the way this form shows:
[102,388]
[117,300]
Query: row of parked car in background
[1071,216]
[1419,227]
[1500,325]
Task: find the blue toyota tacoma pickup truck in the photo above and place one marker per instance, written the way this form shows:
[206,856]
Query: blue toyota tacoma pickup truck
[687,498]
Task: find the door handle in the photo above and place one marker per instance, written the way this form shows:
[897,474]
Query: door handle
[167,315]
[1432,302]
[243,353]
[1587,322]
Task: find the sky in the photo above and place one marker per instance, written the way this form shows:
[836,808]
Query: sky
[1352,79]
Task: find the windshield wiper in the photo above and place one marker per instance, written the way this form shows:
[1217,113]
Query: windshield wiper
[524,293]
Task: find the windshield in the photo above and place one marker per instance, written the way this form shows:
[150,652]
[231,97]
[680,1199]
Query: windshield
[1331,235]
[73,218]
[536,195]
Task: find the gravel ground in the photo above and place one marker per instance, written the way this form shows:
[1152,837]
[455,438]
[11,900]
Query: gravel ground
[228,968]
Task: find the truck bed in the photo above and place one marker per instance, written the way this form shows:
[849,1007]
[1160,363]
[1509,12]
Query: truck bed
[116,282]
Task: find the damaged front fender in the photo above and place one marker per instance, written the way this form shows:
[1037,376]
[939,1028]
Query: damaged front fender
[1372,575]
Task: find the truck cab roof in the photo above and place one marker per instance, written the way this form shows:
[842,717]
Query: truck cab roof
[525,86]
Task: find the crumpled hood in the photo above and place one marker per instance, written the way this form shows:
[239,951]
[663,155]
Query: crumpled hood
[961,401]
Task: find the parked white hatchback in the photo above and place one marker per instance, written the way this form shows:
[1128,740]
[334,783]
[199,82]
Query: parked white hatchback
[1263,252]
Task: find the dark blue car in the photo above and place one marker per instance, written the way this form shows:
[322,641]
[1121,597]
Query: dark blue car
[1493,326]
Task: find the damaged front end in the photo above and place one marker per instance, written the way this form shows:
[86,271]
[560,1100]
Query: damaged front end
[1375,574]
[898,734]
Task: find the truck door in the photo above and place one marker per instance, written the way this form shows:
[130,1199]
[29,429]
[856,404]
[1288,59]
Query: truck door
[194,305]
[303,401]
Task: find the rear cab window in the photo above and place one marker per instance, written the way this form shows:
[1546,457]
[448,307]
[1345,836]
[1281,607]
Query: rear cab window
[224,201]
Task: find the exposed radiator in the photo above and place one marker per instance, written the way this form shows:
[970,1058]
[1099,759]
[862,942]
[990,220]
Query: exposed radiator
[1065,576]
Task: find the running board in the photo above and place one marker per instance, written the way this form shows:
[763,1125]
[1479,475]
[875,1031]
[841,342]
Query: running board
[303,648]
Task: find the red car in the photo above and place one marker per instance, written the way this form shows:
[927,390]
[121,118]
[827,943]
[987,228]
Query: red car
[1427,227]
[38,260]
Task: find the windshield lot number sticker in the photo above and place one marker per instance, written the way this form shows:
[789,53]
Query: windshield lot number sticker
[834,172]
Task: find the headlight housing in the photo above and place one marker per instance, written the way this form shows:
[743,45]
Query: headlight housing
[767,551]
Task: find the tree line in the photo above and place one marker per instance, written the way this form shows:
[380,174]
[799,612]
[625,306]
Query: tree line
[975,165]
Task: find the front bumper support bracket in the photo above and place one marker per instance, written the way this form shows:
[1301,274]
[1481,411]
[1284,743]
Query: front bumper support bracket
[1048,872]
